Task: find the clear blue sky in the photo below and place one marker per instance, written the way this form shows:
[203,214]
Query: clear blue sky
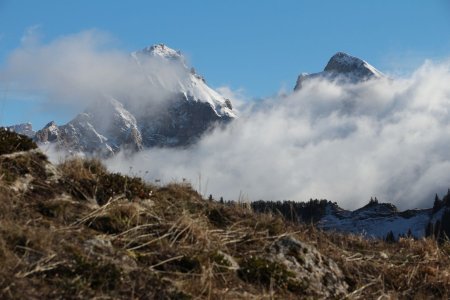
[257,45]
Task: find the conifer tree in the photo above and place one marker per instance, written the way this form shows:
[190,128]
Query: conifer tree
[390,238]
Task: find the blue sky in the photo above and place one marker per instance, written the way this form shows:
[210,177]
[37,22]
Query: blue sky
[257,46]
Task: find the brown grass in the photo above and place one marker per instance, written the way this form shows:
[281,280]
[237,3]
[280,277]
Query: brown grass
[62,238]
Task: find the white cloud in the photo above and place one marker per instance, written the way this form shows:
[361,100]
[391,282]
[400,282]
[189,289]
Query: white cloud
[345,143]
[81,68]
[239,98]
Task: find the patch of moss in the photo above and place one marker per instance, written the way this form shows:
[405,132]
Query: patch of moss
[106,224]
[297,254]
[11,142]
[113,184]
[222,264]
[12,168]
[220,259]
[94,166]
[276,226]
[19,166]
[218,217]
[17,240]
[185,264]
[259,270]
[48,209]
[81,273]
[99,274]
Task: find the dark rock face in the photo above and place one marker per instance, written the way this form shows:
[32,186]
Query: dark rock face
[180,124]
[49,133]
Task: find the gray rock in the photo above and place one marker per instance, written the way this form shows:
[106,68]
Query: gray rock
[320,276]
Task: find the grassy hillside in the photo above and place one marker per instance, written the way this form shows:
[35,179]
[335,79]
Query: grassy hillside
[76,231]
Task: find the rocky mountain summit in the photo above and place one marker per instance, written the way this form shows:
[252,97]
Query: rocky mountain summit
[189,109]
[342,67]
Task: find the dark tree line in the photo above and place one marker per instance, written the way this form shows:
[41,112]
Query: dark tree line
[440,229]
[297,212]
[313,210]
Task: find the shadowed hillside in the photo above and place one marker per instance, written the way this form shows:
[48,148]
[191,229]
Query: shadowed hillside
[76,231]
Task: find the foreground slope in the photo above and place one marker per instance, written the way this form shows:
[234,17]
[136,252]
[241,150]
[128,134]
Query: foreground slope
[76,231]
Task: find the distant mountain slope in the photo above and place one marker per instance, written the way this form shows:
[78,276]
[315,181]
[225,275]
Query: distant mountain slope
[103,128]
[374,220]
[24,128]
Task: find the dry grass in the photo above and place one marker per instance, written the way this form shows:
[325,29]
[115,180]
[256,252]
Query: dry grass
[91,234]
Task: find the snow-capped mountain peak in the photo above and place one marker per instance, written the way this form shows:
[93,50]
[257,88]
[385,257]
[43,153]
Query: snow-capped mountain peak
[185,108]
[24,128]
[343,67]
[344,63]
[190,84]
[163,51]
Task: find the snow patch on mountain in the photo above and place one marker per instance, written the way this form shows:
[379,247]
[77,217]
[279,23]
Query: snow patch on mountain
[376,220]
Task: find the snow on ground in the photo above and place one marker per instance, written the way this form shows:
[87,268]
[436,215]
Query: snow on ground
[372,223]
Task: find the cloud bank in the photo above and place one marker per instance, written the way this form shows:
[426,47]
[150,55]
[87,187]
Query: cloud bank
[346,143]
[384,138]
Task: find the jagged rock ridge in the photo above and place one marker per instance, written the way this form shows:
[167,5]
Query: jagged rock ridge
[103,128]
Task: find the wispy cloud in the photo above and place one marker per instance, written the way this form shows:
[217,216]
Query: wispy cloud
[31,35]
[81,68]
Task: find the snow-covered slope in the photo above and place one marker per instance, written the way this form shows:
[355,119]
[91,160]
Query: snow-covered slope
[24,128]
[342,67]
[376,220]
[104,128]
[189,108]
